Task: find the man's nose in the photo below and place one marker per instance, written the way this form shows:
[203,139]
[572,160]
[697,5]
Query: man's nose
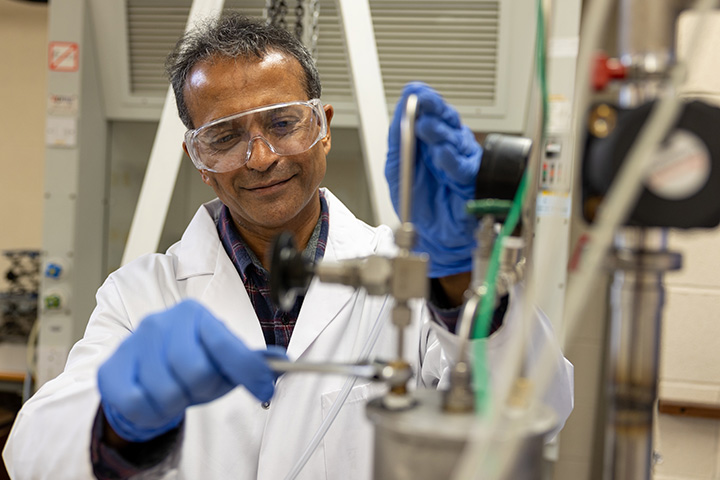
[260,154]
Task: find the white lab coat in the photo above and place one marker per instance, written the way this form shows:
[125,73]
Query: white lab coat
[233,437]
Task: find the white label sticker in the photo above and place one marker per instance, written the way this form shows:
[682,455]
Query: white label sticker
[559,115]
[61,132]
[63,56]
[59,104]
[566,47]
[551,204]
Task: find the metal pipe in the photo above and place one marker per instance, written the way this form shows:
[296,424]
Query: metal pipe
[407,156]
[378,371]
[646,31]
[404,236]
[637,297]
[647,26]
[485,237]
[400,341]
[646,46]
[465,325]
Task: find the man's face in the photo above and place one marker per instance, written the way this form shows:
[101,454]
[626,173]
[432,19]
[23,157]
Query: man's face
[270,192]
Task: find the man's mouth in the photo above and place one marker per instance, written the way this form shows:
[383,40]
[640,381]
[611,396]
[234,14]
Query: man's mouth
[268,185]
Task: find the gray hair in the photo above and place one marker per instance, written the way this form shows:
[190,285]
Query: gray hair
[234,36]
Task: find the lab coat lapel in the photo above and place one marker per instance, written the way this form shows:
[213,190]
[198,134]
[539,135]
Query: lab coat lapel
[347,238]
[226,296]
[202,256]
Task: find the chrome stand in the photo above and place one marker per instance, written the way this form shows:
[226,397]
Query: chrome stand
[637,296]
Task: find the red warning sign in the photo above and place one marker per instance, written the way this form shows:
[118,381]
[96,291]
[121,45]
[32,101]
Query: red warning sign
[64,56]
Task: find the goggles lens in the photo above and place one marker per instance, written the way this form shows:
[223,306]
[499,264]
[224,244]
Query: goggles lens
[286,128]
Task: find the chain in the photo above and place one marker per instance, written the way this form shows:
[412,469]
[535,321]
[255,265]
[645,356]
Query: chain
[299,18]
[275,12]
[315,12]
[269,11]
[282,14]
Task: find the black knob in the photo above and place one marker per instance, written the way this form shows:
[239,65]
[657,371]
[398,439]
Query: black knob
[290,272]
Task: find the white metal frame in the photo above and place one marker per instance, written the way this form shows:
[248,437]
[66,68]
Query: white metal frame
[369,94]
[162,170]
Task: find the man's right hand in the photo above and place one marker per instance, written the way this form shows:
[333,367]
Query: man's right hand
[181,357]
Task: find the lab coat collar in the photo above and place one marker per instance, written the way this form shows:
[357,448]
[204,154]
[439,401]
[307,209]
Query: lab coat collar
[200,252]
[198,249]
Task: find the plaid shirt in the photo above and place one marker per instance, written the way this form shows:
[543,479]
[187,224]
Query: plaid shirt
[277,326]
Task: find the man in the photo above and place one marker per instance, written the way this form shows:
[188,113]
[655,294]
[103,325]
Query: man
[151,388]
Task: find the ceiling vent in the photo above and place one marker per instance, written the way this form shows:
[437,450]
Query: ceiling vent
[478,54]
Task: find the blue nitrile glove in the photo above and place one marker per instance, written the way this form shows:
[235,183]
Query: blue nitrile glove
[177,358]
[447,162]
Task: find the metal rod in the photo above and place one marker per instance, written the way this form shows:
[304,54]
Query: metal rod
[465,325]
[374,371]
[637,298]
[407,156]
[646,36]
[400,342]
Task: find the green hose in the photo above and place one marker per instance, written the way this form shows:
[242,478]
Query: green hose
[481,327]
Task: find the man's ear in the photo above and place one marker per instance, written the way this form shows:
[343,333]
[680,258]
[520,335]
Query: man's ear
[205,178]
[327,140]
[203,174]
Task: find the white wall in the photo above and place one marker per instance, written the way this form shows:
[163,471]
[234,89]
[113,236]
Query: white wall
[23,49]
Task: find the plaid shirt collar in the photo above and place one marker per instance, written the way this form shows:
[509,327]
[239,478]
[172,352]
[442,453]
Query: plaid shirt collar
[242,257]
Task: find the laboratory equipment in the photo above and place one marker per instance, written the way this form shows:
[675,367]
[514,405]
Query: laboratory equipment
[426,442]
[376,370]
[19,297]
[680,190]
[404,276]
[422,434]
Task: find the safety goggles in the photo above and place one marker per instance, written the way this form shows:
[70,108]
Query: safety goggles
[287,128]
